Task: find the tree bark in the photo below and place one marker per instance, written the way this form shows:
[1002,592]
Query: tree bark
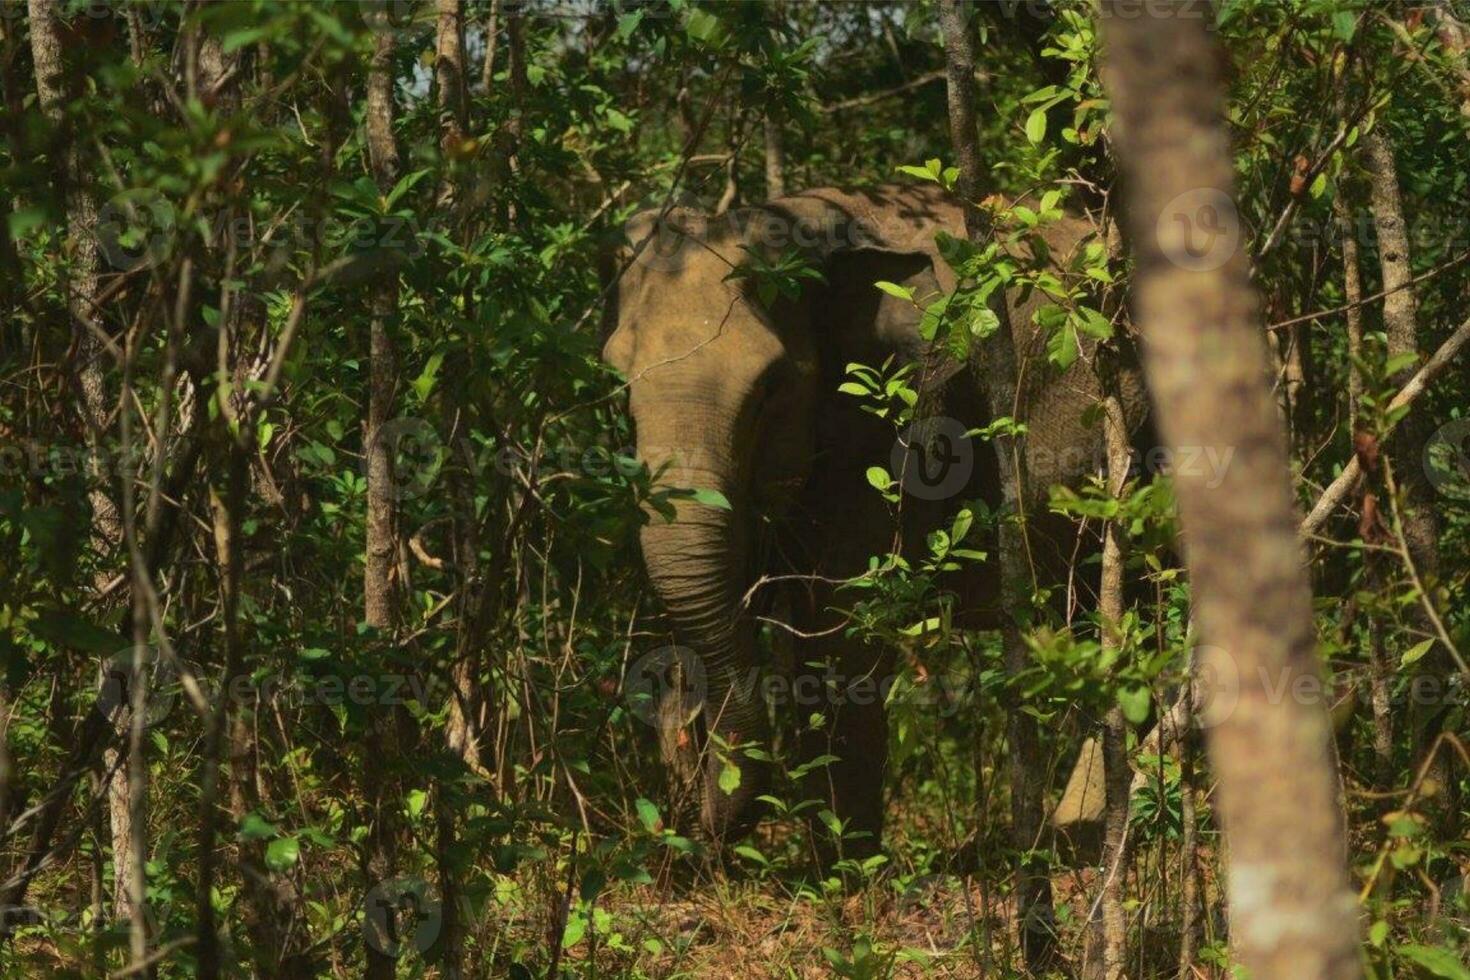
[1352,288]
[381,538]
[449,72]
[1116,770]
[1292,914]
[1419,518]
[87,379]
[1401,323]
[775,155]
[997,359]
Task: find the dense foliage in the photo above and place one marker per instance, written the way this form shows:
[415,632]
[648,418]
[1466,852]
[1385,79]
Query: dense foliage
[183,459]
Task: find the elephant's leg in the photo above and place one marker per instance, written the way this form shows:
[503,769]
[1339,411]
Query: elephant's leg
[839,690]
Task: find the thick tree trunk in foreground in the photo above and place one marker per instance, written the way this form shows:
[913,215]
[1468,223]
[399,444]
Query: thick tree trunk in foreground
[1291,912]
[997,358]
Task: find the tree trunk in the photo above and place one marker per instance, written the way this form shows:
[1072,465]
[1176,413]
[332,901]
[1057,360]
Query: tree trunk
[381,539]
[1419,518]
[87,380]
[997,359]
[1401,323]
[449,73]
[1117,774]
[1352,289]
[1291,912]
[775,155]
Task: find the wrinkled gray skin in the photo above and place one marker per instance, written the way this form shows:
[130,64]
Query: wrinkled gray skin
[727,394]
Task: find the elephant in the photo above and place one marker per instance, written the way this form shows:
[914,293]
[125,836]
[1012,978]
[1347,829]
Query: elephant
[733,388]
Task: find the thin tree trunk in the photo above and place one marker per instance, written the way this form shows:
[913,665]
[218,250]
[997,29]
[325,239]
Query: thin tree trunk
[449,72]
[1116,780]
[1352,288]
[775,155]
[997,360]
[382,547]
[1292,914]
[1191,895]
[382,541]
[1401,323]
[1419,518]
[81,285]
[492,38]
[773,120]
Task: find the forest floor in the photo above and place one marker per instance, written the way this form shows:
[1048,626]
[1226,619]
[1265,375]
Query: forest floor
[938,926]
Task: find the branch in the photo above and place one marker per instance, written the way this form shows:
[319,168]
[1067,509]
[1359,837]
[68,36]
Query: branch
[1347,480]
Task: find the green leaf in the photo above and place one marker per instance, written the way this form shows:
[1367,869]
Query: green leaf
[1093,323]
[854,388]
[592,883]
[878,477]
[712,498]
[25,220]
[416,800]
[961,526]
[704,26]
[1415,653]
[256,827]
[1134,701]
[423,385]
[628,23]
[893,289]
[1036,125]
[1437,960]
[1062,347]
[237,39]
[729,778]
[576,928]
[1344,24]
[648,816]
[282,852]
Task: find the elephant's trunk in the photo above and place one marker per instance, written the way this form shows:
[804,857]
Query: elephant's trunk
[697,566]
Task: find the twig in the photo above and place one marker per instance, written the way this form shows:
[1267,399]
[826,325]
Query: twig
[1347,480]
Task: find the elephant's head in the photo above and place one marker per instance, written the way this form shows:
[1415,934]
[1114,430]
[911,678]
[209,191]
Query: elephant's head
[723,375]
